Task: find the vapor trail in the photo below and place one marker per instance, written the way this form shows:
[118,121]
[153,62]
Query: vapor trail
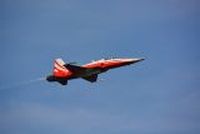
[19,84]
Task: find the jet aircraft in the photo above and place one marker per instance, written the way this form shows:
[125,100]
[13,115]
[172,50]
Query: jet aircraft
[62,72]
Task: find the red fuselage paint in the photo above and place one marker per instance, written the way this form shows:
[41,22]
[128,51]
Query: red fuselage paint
[99,64]
[63,72]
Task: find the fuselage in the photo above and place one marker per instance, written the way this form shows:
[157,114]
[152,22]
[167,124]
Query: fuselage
[66,72]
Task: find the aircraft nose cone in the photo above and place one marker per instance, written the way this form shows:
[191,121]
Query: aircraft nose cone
[139,59]
[135,60]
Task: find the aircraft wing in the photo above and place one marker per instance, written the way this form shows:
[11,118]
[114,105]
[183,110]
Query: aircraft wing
[81,71]
[92,78]
[74,68]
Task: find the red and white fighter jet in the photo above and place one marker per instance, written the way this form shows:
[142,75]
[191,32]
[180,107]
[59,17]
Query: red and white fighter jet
[62,72]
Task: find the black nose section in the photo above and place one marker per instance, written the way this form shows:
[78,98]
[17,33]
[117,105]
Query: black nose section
[141,59]
[137,60]
[133,61]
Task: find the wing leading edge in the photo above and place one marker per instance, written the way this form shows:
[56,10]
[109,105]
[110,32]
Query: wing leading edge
[74,68]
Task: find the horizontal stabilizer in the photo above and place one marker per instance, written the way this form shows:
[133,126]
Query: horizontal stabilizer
[63,82]
[92,78]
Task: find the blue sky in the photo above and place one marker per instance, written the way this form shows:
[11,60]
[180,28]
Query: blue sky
[158,95]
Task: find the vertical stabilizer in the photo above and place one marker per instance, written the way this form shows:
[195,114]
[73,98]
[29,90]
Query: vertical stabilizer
[59,69]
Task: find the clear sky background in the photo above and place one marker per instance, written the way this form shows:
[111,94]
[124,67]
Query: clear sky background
[160,95]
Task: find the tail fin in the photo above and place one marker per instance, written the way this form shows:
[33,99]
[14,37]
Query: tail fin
[59,69]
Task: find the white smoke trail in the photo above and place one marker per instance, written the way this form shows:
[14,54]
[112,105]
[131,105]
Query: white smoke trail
[19,84]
